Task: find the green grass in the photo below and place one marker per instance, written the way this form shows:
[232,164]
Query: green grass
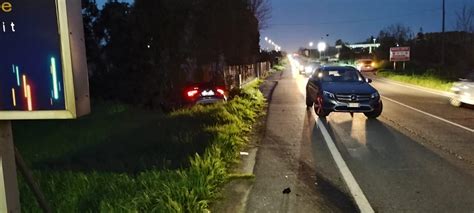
[123,159]
[427,80]
[281,65]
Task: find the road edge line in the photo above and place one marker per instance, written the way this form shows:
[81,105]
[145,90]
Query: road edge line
[431,115]
[354,188]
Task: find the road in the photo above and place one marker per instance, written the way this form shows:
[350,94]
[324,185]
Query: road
[417,157]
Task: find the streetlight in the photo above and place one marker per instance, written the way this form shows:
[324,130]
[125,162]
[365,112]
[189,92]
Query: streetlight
[310,47]
[266,38]
[370,49]
[321,47]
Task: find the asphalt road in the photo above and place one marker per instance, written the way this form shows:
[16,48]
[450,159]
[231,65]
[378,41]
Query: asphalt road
[417,157]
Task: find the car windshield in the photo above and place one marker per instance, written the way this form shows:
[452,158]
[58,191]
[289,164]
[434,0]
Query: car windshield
[340,75]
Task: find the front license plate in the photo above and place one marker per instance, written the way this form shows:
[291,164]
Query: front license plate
[354,105]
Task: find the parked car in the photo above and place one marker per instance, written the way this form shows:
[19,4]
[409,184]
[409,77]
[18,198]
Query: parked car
[204,93]
[463,91]
[366,65]
[342,89]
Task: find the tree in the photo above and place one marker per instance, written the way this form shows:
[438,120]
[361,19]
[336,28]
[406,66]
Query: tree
[339,42]
[399,32]
[465,19]
[262,11]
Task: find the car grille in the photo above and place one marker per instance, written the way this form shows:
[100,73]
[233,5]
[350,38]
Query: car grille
[351,97]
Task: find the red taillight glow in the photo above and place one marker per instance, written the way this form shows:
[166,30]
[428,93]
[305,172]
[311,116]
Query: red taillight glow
[192,93]
[220,91]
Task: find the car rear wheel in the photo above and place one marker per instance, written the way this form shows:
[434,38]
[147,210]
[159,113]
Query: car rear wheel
[318,108]
[376,113]
[455,102]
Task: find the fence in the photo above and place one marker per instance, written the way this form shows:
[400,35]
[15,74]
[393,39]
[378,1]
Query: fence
[239,75]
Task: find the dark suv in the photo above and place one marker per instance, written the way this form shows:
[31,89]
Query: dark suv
[342,89]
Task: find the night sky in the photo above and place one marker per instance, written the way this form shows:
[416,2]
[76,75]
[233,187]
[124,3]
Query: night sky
[296,22]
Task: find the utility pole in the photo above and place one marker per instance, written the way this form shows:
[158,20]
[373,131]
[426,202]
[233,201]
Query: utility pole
[443,39]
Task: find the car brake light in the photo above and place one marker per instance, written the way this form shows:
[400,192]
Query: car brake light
[220,91]
[194,91]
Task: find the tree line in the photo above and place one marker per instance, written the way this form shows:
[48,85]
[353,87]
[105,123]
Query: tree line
[144,53]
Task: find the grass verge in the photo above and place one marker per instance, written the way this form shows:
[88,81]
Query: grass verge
[281,65]
[123,159]
[426,80]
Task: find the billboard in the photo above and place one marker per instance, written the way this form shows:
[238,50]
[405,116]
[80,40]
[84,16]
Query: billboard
[400,54]
[42,57]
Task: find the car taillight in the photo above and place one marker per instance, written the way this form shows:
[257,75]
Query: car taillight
[220,91]
[192,92]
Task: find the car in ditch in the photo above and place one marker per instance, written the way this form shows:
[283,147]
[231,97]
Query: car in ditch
[204,93]
[342,89]
[463,91]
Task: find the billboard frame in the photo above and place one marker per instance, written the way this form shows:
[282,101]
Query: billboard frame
[74,66]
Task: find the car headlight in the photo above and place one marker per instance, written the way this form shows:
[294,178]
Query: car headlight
[375,95]
[329,95]
[308,69]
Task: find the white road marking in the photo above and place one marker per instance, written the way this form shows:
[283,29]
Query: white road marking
[431,115]
[354,188]
[431,91]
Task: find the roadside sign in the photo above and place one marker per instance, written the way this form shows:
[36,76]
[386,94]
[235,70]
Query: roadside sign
[400,54]
[43,70]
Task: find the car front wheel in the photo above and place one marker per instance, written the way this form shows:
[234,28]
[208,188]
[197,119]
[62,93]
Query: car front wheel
[376,113]
[318,108]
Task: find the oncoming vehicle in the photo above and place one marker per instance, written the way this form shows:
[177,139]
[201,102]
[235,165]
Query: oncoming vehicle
[204,93]
[366,65]
[342,89]
[463,91]
[310,68]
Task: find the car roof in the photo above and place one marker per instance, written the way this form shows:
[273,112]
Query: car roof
[333,67]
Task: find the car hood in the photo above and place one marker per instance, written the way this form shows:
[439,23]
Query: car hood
[348,87]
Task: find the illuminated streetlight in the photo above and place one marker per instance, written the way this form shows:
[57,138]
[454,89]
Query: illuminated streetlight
[266,38]
[311,44]
[321,47]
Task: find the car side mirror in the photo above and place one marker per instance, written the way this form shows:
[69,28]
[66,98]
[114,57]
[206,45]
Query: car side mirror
[369,80]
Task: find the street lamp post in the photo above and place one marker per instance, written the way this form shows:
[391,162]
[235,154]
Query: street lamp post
[310,47]
[371,50]
[321,48]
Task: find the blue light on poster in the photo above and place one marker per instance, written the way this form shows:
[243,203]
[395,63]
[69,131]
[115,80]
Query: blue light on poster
[31,69]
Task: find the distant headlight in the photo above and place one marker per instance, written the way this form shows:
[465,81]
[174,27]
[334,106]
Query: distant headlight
[329,95]
[375,95]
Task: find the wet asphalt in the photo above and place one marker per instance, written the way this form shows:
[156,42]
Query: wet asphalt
[404,161]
